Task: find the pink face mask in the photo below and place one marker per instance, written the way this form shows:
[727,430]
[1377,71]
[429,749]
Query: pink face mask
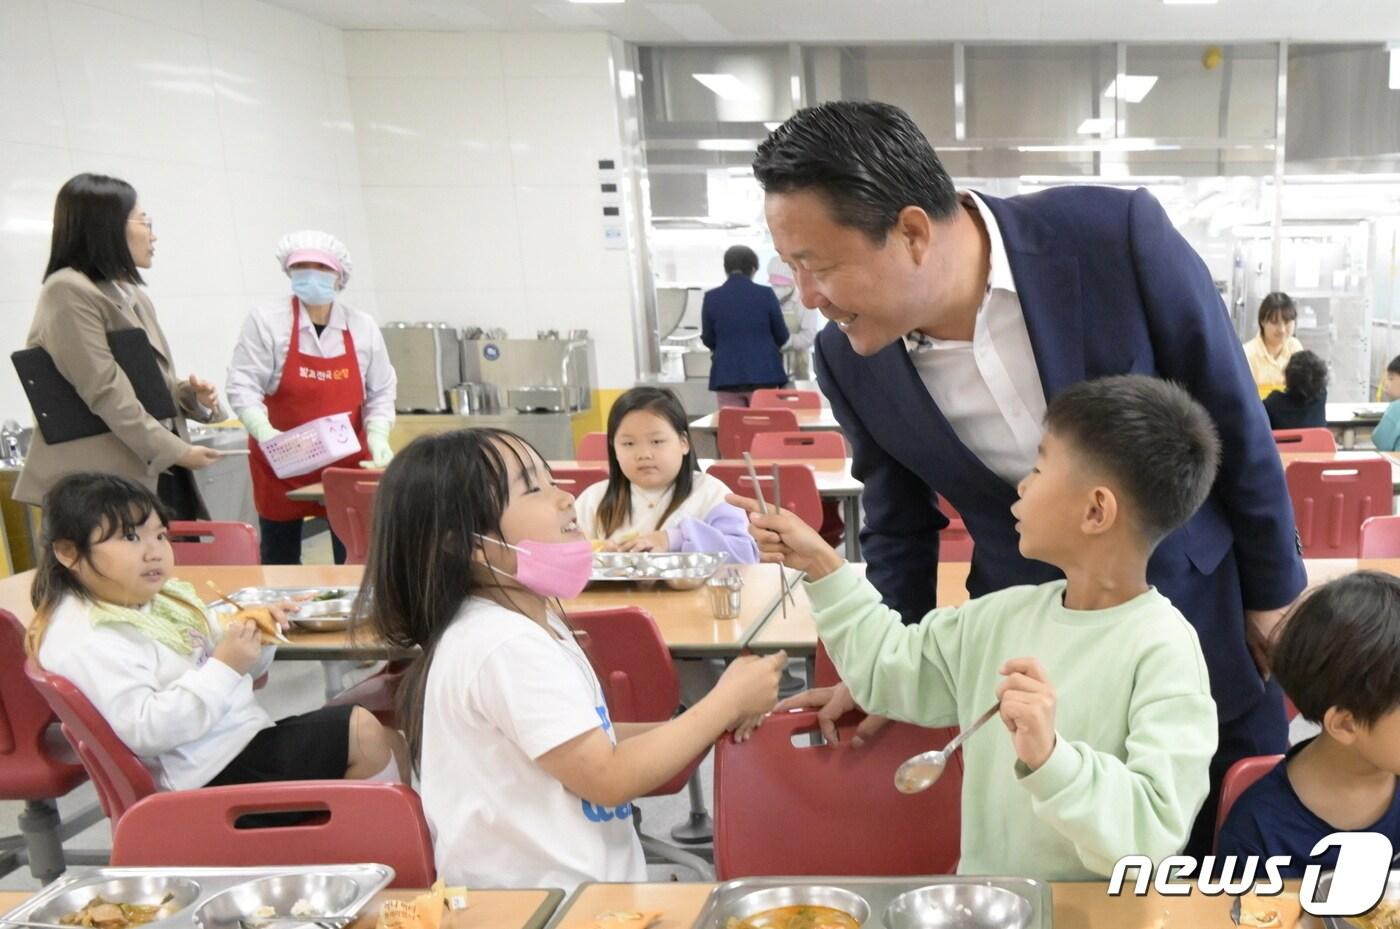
[551,569]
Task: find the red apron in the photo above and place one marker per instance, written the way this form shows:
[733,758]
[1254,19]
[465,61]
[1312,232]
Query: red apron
[310,388]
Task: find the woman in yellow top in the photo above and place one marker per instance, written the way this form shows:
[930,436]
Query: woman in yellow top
[1269,351]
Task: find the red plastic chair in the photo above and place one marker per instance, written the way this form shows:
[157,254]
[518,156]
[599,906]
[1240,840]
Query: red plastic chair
[808,446]
[577,480]
[350,508]
[954,542]
[768,398]
[1331,499]
[1305,440]
[119,776]
[1380,537]
[825,675]
[212,542]
[1237,780]
[781,809]
[799,485]
[35,767]
[350,822]
[738,425]
[593,447]
[634,666]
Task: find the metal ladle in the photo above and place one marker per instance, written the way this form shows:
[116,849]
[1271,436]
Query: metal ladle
[923,771]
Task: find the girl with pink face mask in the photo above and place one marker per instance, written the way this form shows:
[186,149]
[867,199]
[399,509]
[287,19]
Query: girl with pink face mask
[525,780]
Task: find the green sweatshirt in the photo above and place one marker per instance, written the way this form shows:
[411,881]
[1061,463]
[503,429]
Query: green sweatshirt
[1134,721]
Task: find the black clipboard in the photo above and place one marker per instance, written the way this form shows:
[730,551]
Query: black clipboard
[63,416]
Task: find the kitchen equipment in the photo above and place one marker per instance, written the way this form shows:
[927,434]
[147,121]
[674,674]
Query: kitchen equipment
[872,899]
[923,771]
[552,375]
[958,906]
[323,615]
[10,443]
[471,399]
[427,357]
[680,570]
[213,898]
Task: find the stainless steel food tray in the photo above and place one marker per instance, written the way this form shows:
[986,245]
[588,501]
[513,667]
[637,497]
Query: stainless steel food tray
[725,899]
[655,566]
[314,615]
[214,898]
[253,596]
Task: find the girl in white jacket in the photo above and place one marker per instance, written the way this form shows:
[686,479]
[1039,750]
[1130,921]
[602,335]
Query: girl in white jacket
[177,690]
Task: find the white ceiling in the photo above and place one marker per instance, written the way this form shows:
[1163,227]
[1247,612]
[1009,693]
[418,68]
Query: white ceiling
[859,21]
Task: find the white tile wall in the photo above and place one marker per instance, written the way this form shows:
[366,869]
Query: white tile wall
[231,118]
[478,153]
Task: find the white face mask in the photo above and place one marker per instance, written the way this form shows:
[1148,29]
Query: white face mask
[314,286]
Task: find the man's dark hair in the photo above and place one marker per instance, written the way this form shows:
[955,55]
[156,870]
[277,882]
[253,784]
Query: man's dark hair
[89,229]
[867,160]
[1394,366]
[1305,376]
[1341,647]
[740,259]
[1149,437]
[1277,305]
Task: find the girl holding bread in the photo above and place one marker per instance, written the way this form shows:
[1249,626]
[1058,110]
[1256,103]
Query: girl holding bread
[176,688]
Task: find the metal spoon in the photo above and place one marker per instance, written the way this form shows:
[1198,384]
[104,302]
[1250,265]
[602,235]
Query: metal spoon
[923,771]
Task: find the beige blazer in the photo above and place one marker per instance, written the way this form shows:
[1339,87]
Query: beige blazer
[71,323]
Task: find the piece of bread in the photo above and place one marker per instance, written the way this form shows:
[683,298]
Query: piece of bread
[1281,911]
[259,616]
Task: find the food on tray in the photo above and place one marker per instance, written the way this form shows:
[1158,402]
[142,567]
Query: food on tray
[623,919]
[796,917]
[1386,915]
[423,911]
[264,915]
[331,595]
[1281,911]
[111,914]
[259,616]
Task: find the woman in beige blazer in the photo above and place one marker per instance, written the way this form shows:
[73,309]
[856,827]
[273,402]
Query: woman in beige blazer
[101,237]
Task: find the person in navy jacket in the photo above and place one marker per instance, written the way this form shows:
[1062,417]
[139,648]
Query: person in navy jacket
[955,317]
[741,323]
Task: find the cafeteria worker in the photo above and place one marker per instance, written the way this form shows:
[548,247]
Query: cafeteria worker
[303,358]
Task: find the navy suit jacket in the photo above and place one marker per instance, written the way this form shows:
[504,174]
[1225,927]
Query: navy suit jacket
[741,323]
[1107,286]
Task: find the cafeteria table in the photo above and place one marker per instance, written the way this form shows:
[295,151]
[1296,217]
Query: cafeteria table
[487,909]
[683,616]
[704,432]
[1350,420]
[1076,906]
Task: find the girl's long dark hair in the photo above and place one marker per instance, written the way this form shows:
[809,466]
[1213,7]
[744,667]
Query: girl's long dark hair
[76,509]
[89,229]
[616,507]
[436,496]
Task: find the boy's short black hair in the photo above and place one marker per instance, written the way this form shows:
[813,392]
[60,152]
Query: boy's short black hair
[1394,366]
[867,160]
[1341,647]
[1150,437]
[1305,376]
[740,259]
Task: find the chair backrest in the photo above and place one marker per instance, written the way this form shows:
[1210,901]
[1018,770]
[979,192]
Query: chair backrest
[1237,780]
[954,541]
[213,542]
[28,771]
[350,508]
[577,480]
[1331,499]
[769,398]
[593,447]
[1305,440]
[1380,537]
[789,809]
[738,425]
[350,822]
[799,484]
[119,776]
[806,446]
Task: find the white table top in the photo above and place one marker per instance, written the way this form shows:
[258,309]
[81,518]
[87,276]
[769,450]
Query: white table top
[817,420]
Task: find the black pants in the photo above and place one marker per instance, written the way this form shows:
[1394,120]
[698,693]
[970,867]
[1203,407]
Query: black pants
[177,493]
[280,541]
[1262,730]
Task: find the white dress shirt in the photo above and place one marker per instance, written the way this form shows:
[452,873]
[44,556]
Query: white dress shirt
[988,389]
[256,369]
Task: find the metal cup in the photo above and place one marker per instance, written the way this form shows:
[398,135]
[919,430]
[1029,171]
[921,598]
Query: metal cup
[725,590]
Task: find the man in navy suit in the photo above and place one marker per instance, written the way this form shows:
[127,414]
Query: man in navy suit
[742,324]
[955,317]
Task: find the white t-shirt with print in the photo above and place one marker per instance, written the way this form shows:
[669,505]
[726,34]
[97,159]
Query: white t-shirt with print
[501,692]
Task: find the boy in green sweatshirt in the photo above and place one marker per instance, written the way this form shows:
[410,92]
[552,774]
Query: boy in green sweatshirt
[1110,726]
